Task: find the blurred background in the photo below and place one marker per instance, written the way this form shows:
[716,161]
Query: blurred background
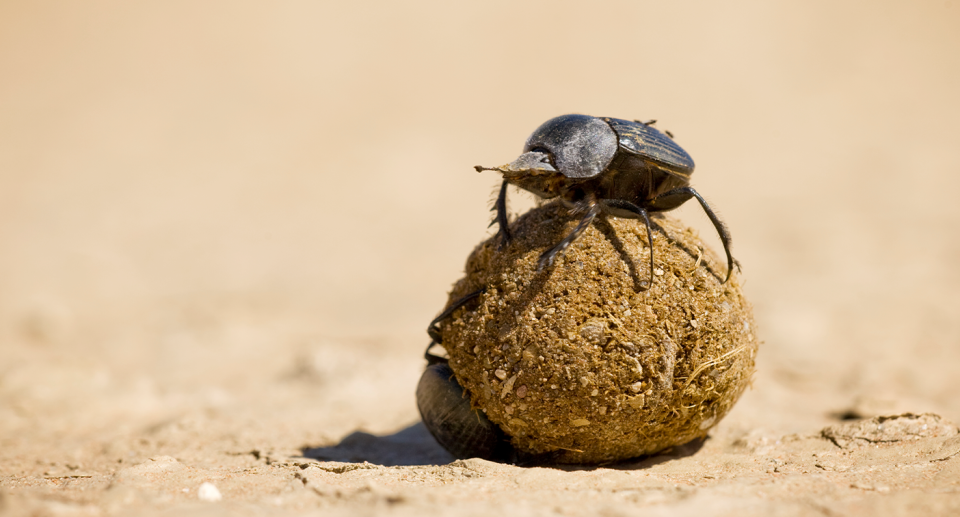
[242,206]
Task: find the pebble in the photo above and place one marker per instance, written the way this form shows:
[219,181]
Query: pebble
[209,492]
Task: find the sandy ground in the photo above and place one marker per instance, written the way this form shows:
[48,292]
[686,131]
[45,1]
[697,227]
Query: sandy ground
[224,228]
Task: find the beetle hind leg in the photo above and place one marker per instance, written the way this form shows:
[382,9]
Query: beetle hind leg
[433,330]
[676,197]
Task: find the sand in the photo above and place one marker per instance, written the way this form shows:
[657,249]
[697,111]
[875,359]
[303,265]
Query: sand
[225,227]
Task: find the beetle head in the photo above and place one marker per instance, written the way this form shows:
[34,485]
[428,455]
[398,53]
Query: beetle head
[533,171]
[533,163]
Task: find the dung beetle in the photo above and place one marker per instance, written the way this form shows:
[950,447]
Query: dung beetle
[446,409]
[448,413]
[603,166]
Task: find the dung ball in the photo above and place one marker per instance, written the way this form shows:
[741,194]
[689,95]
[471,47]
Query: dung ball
[586,360]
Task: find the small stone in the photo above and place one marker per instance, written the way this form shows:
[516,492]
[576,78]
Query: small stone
[708,423]
[516,422]
[593,331]
[529,354]
[209,492]
[500,374]
[508,386]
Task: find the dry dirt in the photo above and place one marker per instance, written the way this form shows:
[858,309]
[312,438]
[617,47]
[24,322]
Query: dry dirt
[225,226]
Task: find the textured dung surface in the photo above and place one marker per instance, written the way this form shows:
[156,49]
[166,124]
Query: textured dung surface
[579,360]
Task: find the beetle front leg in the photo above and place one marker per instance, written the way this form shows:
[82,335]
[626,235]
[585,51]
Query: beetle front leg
[546,259]
[501,219]
[676,197]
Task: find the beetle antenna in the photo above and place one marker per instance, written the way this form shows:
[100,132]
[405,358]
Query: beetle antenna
[667,131]
[647,123]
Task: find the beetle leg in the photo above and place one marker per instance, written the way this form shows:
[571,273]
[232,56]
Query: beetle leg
[640,211]
[433,330]
[546,259]
[676,197]
[433,359]
[501,208]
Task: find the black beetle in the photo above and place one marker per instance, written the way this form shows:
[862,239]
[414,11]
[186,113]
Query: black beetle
[446,409]
[603,165]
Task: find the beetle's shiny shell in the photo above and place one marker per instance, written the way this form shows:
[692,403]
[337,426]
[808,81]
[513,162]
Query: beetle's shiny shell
[646,141]
[584,147]
[463,431]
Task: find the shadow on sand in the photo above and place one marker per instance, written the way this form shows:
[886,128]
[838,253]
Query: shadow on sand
[415,446]
[410,446]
